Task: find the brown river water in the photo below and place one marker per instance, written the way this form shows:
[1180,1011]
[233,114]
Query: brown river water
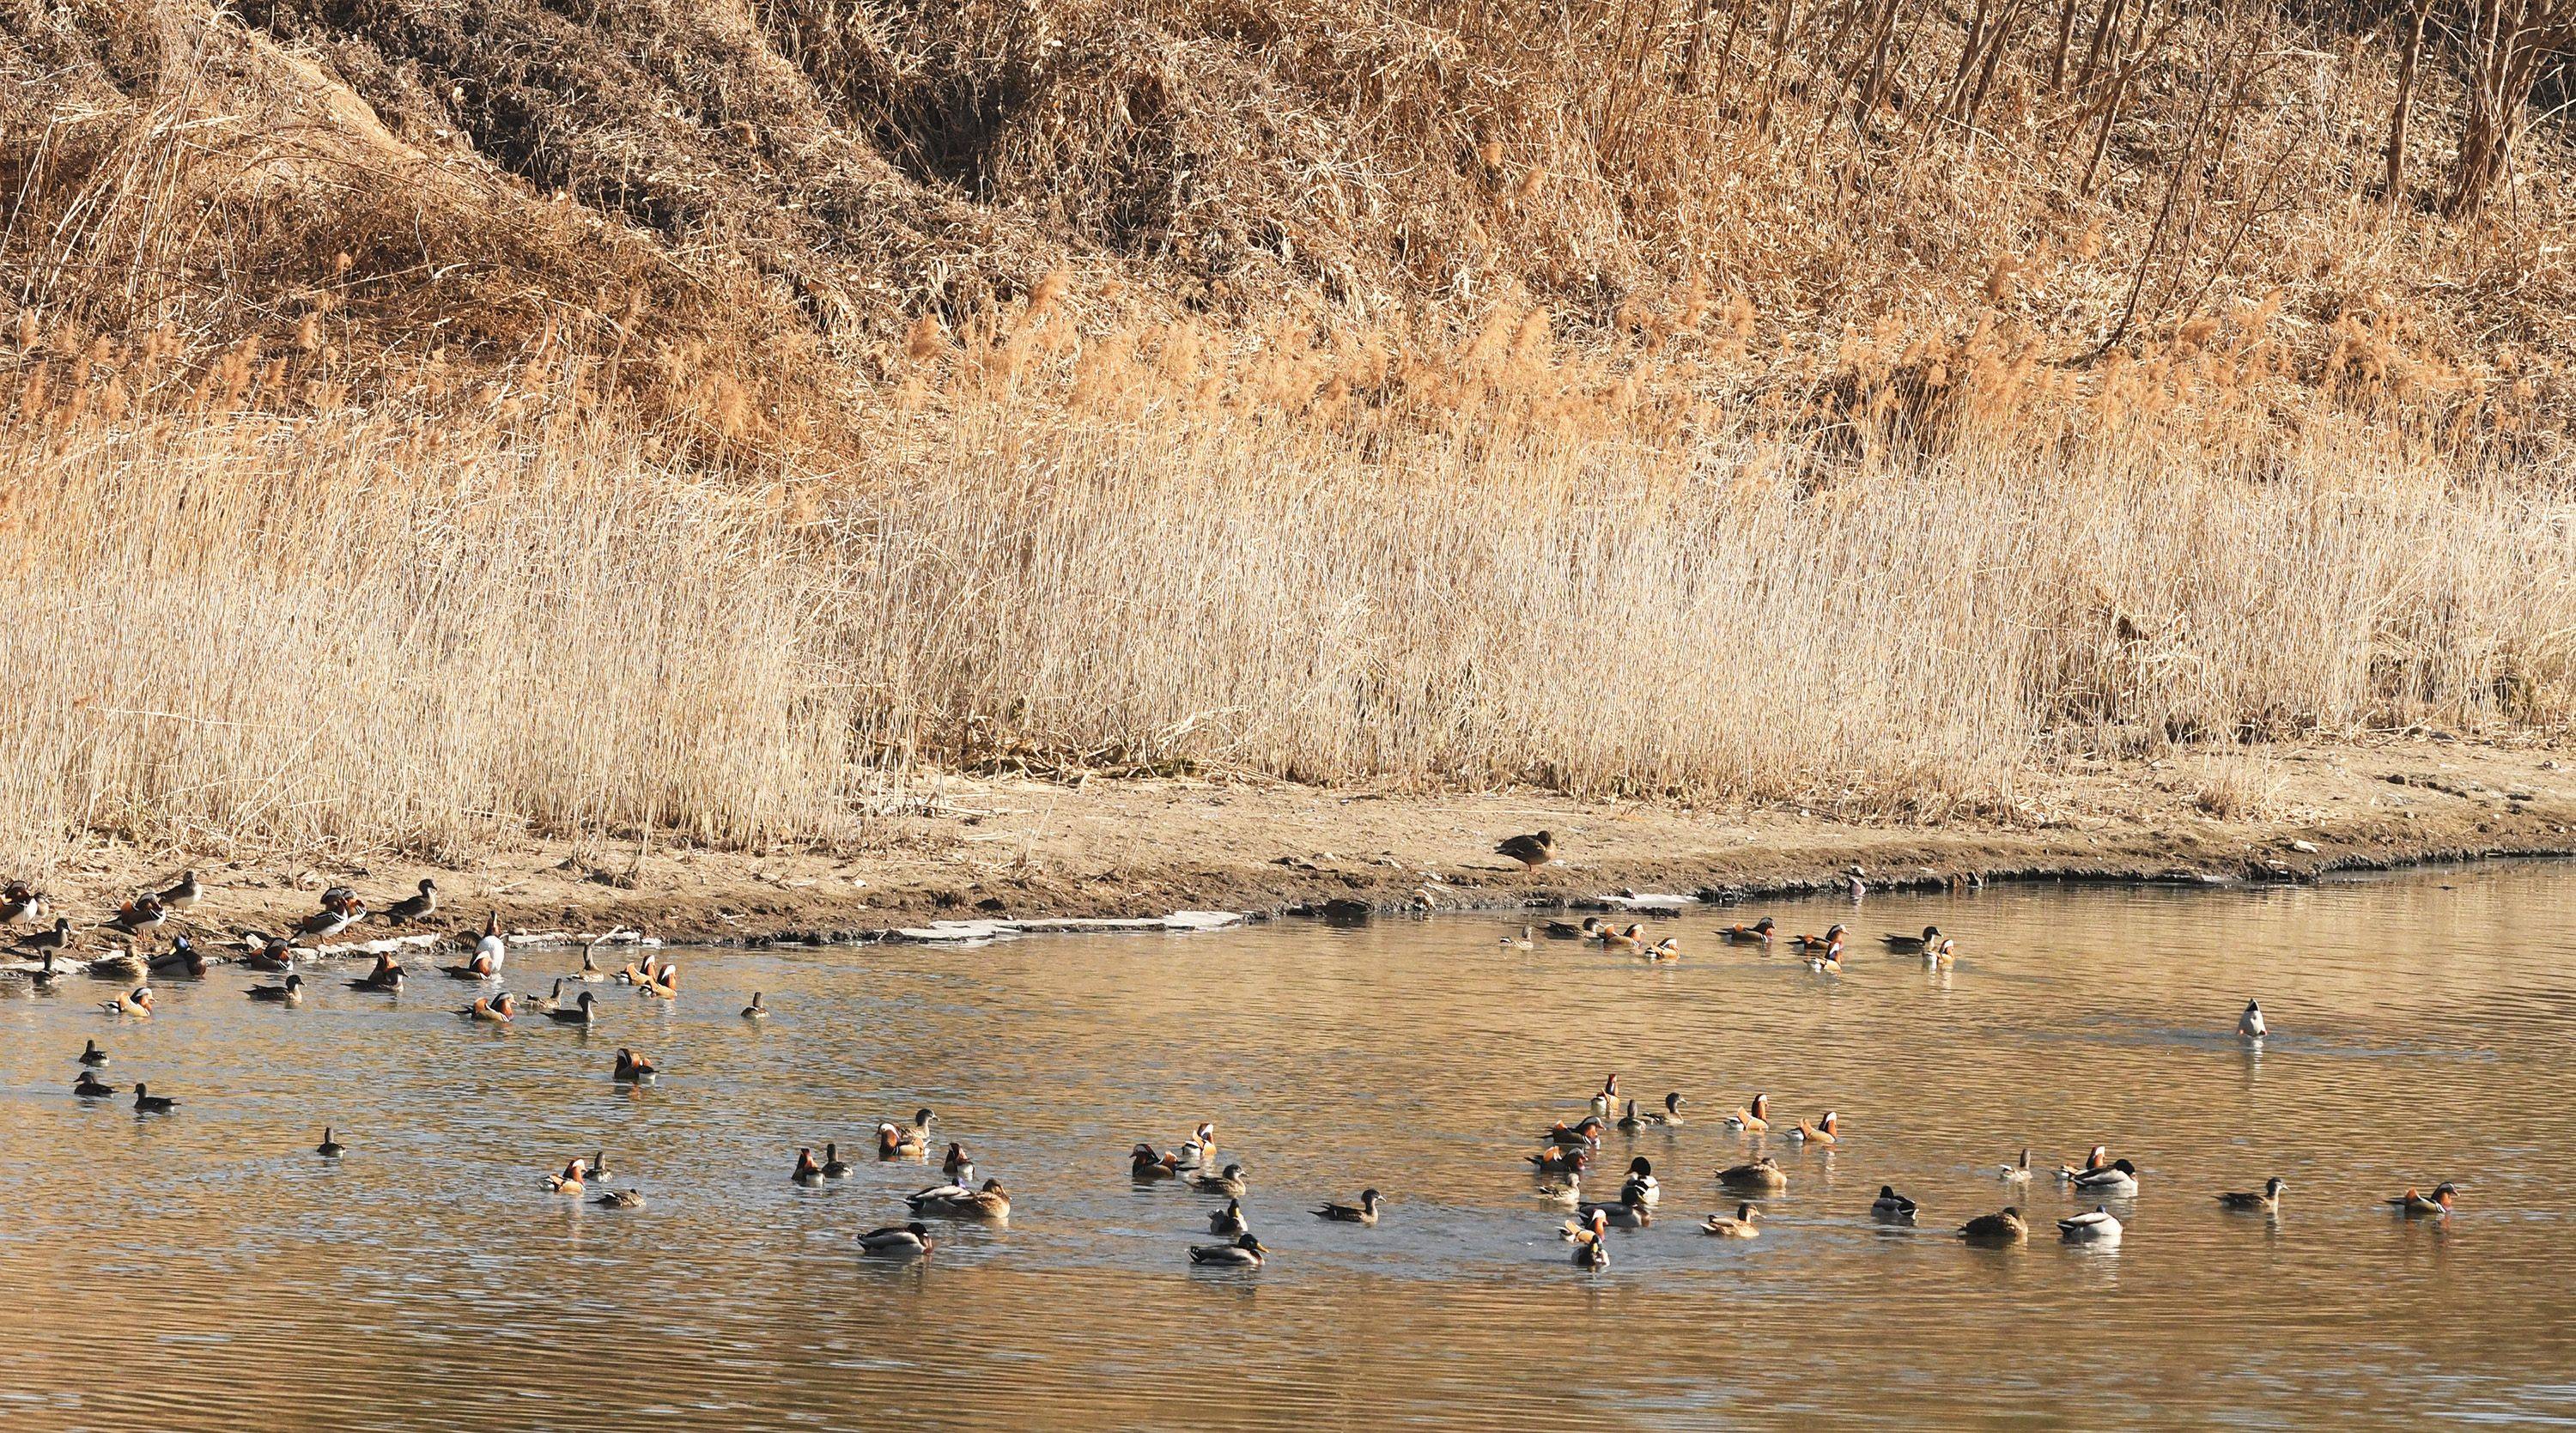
[204,1269]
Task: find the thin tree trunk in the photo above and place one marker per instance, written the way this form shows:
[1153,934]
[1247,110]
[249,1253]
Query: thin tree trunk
[2398,114]
[2065,37]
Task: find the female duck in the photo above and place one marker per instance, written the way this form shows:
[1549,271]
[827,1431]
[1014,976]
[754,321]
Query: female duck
[1244,1253]
[621,1199]
[2268,1201]
[1364,1212]
[1738,1227]
[1753,1118]
[1229,1181]
[2097,1227]
[2006,1227]
[835,1167]
[290,993]
[1762,1175]
[1671,1117]
[955,1201]
[898,1241]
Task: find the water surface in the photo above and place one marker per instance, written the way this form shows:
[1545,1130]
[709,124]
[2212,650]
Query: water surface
[204,1269]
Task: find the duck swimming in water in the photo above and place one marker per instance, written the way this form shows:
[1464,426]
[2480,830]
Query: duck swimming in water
[2097,1227]
[2006,1227]
[1523,941]
[152,1104]
[2117,1177]
[1833,937]
[1823,1133]
[958,1168]
[899,1142]
[662,984]
[1753,1118]
[955,1201]
[290,993]
[632,1068]
[1912,944]
[1758,933]
[835,1167]
[330,1147]
[1561,1159]
[806,1171]
[1941,955]
[1828,961]
[135,1003]
[581,1012]
[2250,1025]
[568,1182]
[1568,930]
[489,1009]
[2016,1173]
[755,1010]
[1762,1175]
[621,1199]
[1631,941]
[1738,1227]
[1606,1099]
[2410,1204]
[1229,1181]
[1641,1182]
[1228,1222]
[1244,1253]
[386,978]
[1364,1212]
[1671,1117]
[91,1055]
[1893,1207]
[1630,1212]
[1583,1135]
[2098,1157]
[897,1241]
[90,1087]
[2268,1201]
[1145,1163]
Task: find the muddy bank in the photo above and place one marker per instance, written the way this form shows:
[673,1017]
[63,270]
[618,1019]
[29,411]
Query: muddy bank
[1024,849]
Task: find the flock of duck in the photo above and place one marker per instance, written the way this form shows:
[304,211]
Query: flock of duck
[1568,1150]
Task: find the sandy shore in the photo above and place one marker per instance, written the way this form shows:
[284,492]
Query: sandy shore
[1023,849]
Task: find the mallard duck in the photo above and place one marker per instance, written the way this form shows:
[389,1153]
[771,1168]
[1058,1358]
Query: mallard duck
[44,941]
[2097,1227]
[1629,1120]
[1641,1182]
[835,1167]
[755,1010]
[2250,1024]
[1833,936]
[90,1087]
[958,1168]
[2118,1177]
[1532,851]
[581,1011]
[568,1182]
[899,1142]
[1758,933]
[290,993]
[2266,1202]
[1892,1206]
[1753,1118]
[1523,941]
[1738,1227]
[2006,1227]
[662,984]
[137,916]
[2410,1203]
[1244,1253]
[1568,930]
[1913,944]
[329,1148]
[420,905]
[956,1201]
[806,1171]
[621,1199]
[2015,1173]
[136,1003]
[632,1068]
[1824,1133]
[1229,1181]
[91,1055]
[898,1241]
[1564,1196]
[2098,1157]
[1631,1212]
[1364,1212]
[1763,1174]
[1670,1116]
[1229,1221]
[152,1104]
[180,959]
[269,954]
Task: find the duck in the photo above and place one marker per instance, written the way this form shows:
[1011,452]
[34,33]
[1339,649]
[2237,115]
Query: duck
[1893,1207]
[1608,1098]
[621,1199]
[1532,851]
[1228,1181]
[1758,933]
[1631,941]
[1912,944]
[2097,1227]
[2015,1173]
[476,967]
[1145,1163]
[152,1104]
[329,1148]
[271,955]
[1671,1115]
[2268,1201]
[2410,1204]
[755,1010]
[1942,956]
[1762,1174]
[550,1002]
[181,958]
[1829,961]
[118,964]
[2117,1177]
[1753,1118]
[2098,1157]
[1832,937]
[1739,1226]
[1593,1254]
[956,1201]
[632,1068]
[662,984]
[899,1142]
[1364,1212]
[1583,1134]
[387,976]
[1568,930]
[1244,1253]
[806,1171]
[1641,1180]
[1630,1212]
[138,916]
[580,1013]
[598,1162]
[835,1167]
[21,905]
[420,905]
[1592,1228]
[1667,949]
[1229,1221]
[490,1009]
[898,1241]
[91,1055]
[136,1003]
[2250,1025]
[332,919]
[1824,1133]
[1855,883]
[2005,1227]
[589,971]
[1523,941]
[958,1168]
[290,993]
[568,1182]
[1560,1159]
[1564,1196]
[58,938]
[1199,1150]
[1630,1121]
[90,1087]
[489,946]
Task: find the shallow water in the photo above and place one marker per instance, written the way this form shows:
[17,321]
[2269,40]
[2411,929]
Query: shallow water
[205,1269]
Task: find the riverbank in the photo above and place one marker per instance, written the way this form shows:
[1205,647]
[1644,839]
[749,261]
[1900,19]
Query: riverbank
[1026,849]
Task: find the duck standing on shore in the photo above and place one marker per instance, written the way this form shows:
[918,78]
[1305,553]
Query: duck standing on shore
[1532,851]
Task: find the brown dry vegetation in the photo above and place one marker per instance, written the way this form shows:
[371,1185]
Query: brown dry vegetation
[424,423]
